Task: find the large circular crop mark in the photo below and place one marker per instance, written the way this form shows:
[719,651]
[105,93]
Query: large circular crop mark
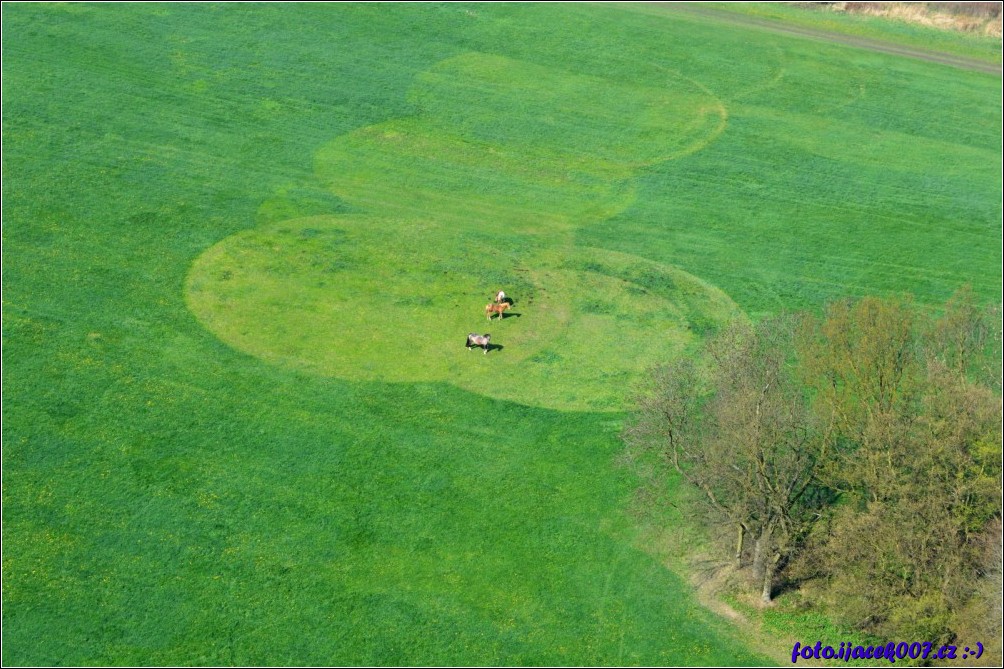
[500,151]
[363,298]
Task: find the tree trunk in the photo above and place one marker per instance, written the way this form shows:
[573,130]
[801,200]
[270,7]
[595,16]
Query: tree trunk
[740,543]
[768,580]
[760,552]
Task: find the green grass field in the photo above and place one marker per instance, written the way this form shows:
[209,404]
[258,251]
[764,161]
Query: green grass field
[243,245]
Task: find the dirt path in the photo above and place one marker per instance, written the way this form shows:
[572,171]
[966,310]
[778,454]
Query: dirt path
[834,38]
[708,584]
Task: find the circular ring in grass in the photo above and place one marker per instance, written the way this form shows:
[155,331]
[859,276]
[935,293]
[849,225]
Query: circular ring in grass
[367,298]
[517,146]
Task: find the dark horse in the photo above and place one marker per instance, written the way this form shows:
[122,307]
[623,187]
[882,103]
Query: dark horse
[478,340]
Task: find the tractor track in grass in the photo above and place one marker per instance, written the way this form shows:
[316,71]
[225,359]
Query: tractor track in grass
[870,44]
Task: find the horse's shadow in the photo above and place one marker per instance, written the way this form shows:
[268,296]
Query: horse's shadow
[495,347]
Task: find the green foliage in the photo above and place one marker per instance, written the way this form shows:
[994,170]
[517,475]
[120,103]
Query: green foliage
[910,450]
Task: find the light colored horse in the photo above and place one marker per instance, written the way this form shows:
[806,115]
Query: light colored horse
[478,340]
[491,309]
[500,296]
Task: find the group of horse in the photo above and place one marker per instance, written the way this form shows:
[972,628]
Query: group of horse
[498,305]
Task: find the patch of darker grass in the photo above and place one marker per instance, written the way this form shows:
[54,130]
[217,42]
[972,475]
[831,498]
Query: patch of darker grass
[597,307]
[301,202]
[545,357]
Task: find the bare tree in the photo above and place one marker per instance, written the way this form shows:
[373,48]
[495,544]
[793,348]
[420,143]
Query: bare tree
[668,425]
[763,432]
[743,437]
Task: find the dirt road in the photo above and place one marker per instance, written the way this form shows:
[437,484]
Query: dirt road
[832,37]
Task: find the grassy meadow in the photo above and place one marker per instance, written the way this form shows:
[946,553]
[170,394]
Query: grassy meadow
[243,244]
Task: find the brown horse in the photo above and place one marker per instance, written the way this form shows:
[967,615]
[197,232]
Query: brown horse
[492,309]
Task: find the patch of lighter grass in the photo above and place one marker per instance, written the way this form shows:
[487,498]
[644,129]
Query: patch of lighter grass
[364,298]
[409,168]
[843,141]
